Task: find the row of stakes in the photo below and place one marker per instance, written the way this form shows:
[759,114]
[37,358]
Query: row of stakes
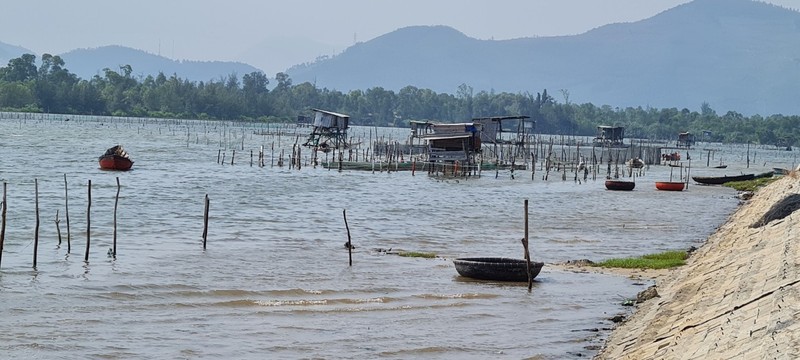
[113,250]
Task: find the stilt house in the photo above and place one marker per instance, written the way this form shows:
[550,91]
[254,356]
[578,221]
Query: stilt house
[610,136]
[329,130]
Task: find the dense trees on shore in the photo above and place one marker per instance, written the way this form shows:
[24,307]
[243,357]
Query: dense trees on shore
[50,87]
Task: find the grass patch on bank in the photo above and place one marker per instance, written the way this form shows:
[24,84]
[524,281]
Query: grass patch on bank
[750,185]
[664,260]
[426,255]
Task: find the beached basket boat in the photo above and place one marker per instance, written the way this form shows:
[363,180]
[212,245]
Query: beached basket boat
[496,268]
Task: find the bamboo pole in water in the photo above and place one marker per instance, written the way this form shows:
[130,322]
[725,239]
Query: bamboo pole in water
[349,243]
[3,218]
[116,202]
[88,221]
[205,222]
[36,228]
[527,253]
[58,229]
[687,173]
[66,213]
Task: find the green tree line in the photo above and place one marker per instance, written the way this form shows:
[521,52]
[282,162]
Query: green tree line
[50,87]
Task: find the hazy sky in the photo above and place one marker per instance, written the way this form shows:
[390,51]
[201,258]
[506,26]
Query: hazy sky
[273,35]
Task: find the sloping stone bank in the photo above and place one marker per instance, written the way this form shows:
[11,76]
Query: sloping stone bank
[737,298]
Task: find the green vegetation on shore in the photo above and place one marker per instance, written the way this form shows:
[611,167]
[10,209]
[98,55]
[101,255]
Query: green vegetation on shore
[664,260]
[750,185]
[426,255]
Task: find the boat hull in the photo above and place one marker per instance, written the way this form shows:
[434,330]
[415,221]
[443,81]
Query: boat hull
[115,162]
[669,185]
[620,185]
[719,180]
[496,269]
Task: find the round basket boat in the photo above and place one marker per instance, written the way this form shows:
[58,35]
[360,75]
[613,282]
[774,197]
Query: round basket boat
[496,268]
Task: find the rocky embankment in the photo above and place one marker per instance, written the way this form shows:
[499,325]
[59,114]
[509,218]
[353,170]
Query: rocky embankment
[737,298]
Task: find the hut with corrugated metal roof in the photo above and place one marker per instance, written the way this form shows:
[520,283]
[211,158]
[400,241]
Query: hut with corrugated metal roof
[685,139]
[328,130]
[610,136]
[449,143]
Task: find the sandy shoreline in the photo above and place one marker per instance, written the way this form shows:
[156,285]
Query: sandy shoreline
[737,297]
[644,274]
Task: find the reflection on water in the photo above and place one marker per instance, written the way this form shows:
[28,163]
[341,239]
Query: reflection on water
[274,279]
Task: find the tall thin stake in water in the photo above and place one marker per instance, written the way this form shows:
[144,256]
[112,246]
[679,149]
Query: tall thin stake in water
[3,225]
[205,222]
[525,245]
[88,222]
[349,243]
[58,229]
[36,229]
[116,202]
[66,205]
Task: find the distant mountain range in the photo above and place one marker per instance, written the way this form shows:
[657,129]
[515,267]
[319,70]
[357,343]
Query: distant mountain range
[8,52]
[89,62]
[736,55]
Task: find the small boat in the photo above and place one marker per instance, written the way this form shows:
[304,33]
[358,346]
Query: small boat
[780,171]
[720,167]
[719,180]
[635,163]
[620,185]
[496,268]
[115,158]
[670,185]
[763,175]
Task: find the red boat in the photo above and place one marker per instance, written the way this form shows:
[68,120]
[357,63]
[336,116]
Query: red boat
[115,158]
[670,185]
[620,185]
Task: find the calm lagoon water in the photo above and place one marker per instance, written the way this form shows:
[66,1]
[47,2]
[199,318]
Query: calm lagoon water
[274,281]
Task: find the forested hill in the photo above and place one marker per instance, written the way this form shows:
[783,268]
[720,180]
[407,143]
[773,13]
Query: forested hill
[8,52]
[89,62]
[737,55]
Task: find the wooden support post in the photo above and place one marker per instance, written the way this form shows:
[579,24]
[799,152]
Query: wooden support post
[748,154]
[66,213]
[205,222]
[116,202]
[527,253]
[36,228]
[689,168]
[58,229]
[349,244]
[88,221]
